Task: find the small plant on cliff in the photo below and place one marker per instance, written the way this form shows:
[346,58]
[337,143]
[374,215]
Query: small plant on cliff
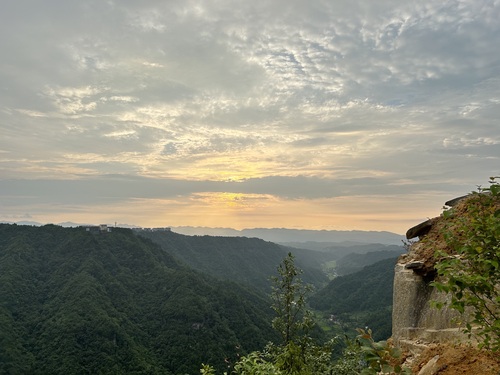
[471,272]
[382,358]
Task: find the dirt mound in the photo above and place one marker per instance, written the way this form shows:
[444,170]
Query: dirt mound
[444,359]
[433,239]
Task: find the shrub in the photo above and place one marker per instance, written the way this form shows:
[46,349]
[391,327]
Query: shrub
[471,272]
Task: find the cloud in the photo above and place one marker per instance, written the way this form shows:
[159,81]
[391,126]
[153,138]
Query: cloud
[292,99]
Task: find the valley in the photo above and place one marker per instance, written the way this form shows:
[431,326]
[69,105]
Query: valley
[161,302]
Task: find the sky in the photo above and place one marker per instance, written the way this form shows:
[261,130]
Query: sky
[335,115]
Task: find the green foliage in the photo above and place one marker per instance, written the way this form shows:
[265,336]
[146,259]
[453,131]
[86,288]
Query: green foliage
[380,356]
[207,370]
[288,294]
[352,361]
[255,364]
[471,271]
[298,354]
[76,302]
[239,259]
[346,299]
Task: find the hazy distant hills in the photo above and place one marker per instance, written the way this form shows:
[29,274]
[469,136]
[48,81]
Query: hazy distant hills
[354,262]
[282,235]
[291,237]
[277,235]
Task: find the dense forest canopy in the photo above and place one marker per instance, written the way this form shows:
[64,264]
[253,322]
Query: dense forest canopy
[78,302]
[248,260]
[360,299]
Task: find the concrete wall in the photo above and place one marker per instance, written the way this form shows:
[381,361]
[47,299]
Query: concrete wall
[414,320]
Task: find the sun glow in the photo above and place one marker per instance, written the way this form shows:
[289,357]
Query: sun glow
[234,201]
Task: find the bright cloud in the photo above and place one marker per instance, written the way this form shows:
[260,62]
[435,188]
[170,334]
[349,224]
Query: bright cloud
[288,107]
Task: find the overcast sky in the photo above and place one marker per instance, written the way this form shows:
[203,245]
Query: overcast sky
[337,114]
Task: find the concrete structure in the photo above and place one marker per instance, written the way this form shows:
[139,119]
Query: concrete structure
[101,228]
[415,321]
[160,229]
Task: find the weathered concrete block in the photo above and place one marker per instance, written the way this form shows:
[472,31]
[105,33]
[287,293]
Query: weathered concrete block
[413,317]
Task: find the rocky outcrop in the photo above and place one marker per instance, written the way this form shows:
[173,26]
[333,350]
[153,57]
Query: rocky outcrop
[431,338]
[415,321]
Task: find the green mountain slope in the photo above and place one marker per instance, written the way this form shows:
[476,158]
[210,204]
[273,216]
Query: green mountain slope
[72,302]
[354,262]
[248,260]
[360,299]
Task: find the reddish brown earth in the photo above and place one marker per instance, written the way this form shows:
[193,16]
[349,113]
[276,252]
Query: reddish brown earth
[425,249]
[454,360]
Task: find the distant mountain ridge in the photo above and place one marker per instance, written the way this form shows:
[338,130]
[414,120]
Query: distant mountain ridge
[354,262]
[284,235]
[277,235]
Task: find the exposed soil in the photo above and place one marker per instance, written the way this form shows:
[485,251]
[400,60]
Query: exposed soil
[454,360]
[425,249]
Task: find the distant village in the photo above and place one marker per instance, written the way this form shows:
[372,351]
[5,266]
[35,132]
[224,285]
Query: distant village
[161,229]
[105,228]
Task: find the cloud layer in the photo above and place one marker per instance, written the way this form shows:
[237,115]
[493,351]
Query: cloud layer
[304,111]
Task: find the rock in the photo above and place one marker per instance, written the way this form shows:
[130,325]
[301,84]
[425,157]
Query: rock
[415,265]
[431,367]
[419,230]
[453,202]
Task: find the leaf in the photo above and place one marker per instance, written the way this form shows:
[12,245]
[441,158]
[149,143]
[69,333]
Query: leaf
[495,189]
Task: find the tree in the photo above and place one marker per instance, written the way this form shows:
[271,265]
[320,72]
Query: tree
[292,320]
[471,271]
[298,354]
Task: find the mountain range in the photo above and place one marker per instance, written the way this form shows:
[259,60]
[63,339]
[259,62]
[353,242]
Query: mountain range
[277,235]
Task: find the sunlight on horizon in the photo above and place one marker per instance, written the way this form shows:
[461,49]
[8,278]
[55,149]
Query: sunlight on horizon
[243,211]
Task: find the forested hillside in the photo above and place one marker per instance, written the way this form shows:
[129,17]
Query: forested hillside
[78,302]
[360,299]
[248,260]
[354,262]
